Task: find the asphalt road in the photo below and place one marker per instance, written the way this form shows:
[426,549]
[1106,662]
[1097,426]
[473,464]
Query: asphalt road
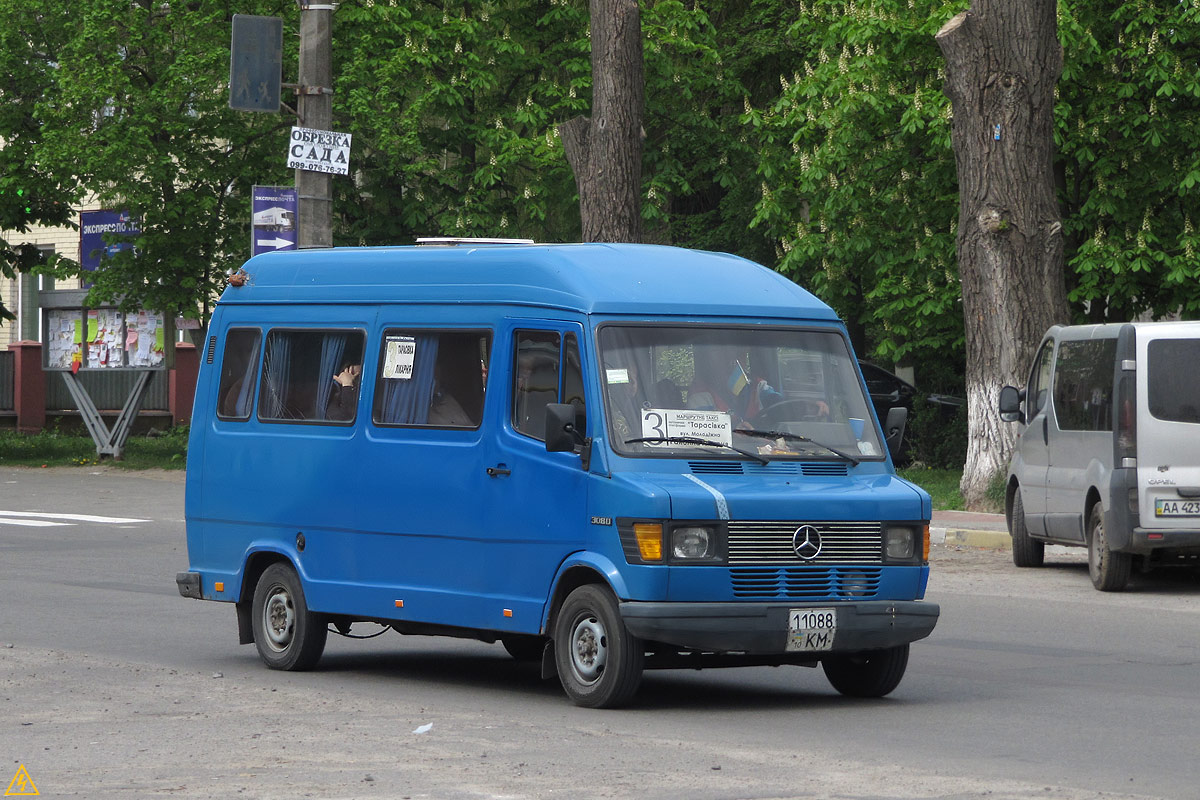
[111,685]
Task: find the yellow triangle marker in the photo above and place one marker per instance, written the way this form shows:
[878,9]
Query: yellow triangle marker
[21,785]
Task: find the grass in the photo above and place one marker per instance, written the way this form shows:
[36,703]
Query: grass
[52,448]
[942,485]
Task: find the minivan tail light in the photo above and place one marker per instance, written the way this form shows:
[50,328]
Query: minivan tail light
[1125,407]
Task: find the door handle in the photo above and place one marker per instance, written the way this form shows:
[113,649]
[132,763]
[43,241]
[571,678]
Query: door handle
[1045,430]
[498,471]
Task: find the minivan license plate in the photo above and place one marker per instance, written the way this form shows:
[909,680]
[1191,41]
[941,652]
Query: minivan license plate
[1177,508]
[811,629]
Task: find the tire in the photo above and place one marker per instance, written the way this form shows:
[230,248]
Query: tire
[599,662]
[1109,571]
[872,674]
[287,635]
[1026,551]
[524,648]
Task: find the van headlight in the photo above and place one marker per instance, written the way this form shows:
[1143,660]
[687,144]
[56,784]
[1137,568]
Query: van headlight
[899,544]
[691,543]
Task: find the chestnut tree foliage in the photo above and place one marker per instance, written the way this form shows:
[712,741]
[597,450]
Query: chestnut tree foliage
[810,135]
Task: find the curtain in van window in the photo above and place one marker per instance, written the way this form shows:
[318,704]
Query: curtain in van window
[241,406]
[277,373]
[332,348]
[406,401]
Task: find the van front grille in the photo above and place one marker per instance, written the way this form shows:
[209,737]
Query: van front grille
[771,543]
[805,583]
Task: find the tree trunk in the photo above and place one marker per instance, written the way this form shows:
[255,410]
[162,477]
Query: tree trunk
[1003,60]
[605,151]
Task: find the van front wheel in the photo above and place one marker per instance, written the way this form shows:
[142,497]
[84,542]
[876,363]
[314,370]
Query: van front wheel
[599,661]
[1109,571]
[288,636]
[871,674]
[1026,551]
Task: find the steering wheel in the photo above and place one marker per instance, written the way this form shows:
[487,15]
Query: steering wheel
[810,412]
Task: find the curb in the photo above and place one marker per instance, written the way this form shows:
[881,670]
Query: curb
[968,537]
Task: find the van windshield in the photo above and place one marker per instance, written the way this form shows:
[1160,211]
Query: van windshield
[725,392]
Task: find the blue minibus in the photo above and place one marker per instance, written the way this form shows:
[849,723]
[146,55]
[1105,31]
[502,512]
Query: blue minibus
[606,457]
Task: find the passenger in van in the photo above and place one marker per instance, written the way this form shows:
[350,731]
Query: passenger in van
[722,384]
[343,394]
[444,410]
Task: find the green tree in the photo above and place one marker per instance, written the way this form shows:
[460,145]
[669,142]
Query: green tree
[857,186]
[1129,169]
[30,195]
[453,108]
[135,115]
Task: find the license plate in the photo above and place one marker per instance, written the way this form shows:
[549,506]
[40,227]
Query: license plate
[811,630]
[1177,508]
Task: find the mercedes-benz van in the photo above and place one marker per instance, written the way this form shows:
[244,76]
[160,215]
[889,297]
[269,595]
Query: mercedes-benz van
[1108,454]
[606,457]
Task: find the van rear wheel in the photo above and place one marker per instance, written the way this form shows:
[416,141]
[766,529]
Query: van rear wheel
[1109,571]
[1026,551]
[599,661]
[287,635]
[871,674]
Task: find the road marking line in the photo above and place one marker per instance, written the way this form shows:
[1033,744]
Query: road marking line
[32,523]
[72,517]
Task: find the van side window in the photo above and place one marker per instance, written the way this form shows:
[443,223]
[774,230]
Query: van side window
[239,370]
[573,381]
[538,380]
[1039,381]
[1173,382]
[431,378]
[311,376]
[1083,385]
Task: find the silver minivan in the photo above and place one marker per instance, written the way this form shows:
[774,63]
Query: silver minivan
[1108,452]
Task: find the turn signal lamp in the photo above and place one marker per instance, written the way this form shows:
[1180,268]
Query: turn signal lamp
[649,537]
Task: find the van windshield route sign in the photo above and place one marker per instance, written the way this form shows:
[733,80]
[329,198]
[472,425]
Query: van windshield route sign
[319,151]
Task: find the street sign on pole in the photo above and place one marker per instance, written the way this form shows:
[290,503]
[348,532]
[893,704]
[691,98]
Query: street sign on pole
[319,151]
[273,211]
[255,63]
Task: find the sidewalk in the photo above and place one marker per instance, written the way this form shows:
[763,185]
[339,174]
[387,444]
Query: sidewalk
[969,528]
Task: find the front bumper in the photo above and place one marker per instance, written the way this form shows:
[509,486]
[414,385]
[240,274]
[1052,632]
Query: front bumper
[762,628]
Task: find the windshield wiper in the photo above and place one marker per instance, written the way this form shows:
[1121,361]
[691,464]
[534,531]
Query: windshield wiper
[795,437]
[703,442]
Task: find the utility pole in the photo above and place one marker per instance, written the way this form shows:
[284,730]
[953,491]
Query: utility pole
[315,108]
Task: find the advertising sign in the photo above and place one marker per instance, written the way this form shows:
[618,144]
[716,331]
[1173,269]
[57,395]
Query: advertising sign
[273,211]
[93,225]
[319,151]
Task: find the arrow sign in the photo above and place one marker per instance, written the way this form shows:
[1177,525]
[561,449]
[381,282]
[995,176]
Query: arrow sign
[273,217]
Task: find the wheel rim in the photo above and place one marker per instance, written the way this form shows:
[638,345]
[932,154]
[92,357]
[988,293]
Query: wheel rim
[279,618]
[589,648]
[1096,549]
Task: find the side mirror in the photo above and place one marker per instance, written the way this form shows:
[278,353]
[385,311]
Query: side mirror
[1010,404]
[893,429]
[560,428]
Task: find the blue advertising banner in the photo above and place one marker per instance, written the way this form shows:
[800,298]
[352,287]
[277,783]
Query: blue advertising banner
[93,225]
[273,210]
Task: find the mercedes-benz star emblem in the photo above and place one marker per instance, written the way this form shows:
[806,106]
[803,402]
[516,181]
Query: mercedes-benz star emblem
[806,541]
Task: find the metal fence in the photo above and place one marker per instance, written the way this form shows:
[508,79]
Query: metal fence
[108,390]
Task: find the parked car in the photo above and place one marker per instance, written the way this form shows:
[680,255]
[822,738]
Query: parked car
[891,391]
[1108,454]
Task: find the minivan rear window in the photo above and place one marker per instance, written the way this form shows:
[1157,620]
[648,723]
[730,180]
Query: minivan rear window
[1173,380]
